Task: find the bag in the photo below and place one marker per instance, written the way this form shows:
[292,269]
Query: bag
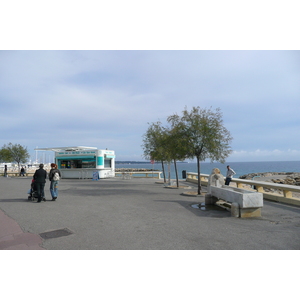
[56,176]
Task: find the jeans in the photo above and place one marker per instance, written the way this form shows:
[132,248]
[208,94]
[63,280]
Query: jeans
[53,189]
[227,181]
[40,190]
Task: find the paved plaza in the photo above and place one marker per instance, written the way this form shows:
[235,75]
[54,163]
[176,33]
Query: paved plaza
[137,214]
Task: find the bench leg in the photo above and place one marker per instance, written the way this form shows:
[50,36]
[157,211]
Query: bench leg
[250,212]
[235,210]
[210,200]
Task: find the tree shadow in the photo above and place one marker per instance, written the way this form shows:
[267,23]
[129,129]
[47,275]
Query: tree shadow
[17,200]
[210,211]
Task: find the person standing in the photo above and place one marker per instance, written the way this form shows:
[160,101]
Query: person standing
[54,177]
[40,176]
[229,175]
[5,171]
[22,173]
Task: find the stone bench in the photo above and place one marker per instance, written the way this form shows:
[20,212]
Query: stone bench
[244,203]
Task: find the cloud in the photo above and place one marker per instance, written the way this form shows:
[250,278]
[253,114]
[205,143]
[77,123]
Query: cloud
[106,98]
[265,155]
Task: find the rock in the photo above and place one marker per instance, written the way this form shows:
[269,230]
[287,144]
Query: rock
[133,170]
[292,178]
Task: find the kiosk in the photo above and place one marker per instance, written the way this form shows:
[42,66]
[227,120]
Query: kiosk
[84,162]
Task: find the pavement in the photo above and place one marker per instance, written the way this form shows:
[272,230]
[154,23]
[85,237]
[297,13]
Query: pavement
[136,214]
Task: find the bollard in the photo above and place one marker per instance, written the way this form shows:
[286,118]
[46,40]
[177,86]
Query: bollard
[235,210]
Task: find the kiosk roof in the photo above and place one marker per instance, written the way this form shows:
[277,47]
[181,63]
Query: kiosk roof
[70,148]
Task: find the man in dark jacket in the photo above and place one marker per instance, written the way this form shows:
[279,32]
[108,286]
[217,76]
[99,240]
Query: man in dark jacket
[39,177]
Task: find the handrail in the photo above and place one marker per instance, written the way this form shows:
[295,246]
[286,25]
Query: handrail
[285,194]
[142,174]
[9,173]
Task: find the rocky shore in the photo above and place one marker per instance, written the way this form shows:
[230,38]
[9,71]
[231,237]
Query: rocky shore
[292,178]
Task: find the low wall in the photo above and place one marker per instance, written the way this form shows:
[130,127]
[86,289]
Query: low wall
[283,192]
[13,174]
[84,174]
[148,174]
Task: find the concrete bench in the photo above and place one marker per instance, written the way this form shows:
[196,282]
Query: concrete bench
[244,203]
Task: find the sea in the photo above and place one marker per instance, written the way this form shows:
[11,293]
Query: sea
[241,168]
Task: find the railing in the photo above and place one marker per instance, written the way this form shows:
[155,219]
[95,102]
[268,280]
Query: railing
[83,174]
[142,174]
[12,174]
[282,192]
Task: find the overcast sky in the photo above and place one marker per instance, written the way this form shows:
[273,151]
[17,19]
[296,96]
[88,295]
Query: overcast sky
[106,99]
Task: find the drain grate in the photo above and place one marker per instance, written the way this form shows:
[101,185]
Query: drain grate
[55,233]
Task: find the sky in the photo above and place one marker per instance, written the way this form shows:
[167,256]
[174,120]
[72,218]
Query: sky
[150,60]
[106,99]
[100,86]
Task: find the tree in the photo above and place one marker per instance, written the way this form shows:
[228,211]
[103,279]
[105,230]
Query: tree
[4,155]
[163,144]
[202,131]
[175,147]
[14,153]
[155,144]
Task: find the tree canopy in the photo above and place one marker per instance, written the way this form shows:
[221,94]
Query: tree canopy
[14,153]
[198,133]
[204,134]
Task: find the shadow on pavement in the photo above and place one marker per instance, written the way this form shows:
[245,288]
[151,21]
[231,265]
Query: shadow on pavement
[16,200]
[209,212]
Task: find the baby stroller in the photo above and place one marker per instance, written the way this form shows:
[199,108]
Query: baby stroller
[32,191]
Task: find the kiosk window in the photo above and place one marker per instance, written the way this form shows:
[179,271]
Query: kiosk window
[77,164]
[88,164]
[107,163]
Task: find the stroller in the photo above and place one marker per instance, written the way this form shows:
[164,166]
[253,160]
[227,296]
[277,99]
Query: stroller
[33,192]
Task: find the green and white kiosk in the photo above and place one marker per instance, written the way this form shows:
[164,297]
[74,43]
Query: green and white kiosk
[84,162]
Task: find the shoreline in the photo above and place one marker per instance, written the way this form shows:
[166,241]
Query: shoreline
[291,178]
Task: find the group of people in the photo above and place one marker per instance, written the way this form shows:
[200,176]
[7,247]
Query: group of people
[40,177]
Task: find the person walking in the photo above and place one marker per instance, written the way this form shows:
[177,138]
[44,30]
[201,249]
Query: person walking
[40,176]
[229,175]
[54,177]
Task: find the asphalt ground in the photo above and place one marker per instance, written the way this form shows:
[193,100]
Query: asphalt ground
[137,214]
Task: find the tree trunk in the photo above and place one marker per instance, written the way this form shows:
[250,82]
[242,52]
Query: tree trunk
[169,172]
[163,169]
[199,179]
[175,166]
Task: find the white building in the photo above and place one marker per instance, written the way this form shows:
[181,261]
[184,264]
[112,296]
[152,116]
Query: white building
[84,162]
